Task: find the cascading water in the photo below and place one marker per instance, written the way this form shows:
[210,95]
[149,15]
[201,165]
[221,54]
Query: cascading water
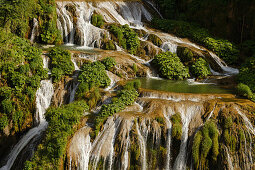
[187,114]
[34,30]
[43,100]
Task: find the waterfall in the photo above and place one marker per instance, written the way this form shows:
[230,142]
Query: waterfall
[187,114]
[142,147]
[169,46]
[80,147]
[227,70]
[75,64]
[169,131]
[130,13]
[34,32]
[43,99]
[153,6]
[230,165]
[72,91]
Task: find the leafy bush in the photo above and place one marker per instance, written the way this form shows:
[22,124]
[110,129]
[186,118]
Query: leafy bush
[97,20]
[200,68]
[61,63]
[21,70]
[223,48]
[155,40]
[109,45]
[170,66]
[185,54]
[247,73]
[61,122]
[94,74]
[109,62]
[177,126]
[244,90]
[127,37]
[3,121]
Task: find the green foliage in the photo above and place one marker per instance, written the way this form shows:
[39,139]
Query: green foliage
[170,66]
[49,33]
[247,73]
[97,20]
[109,62]
[109,45]
[223,48]
[134,84]
[244,90]
[15,15]
[21,70]
[127,37]
[3,121]
[60,128]
[196,148]
[205,140]
[185,54]
[124,98]
[61,63]
[94,75]
[177,126]
[134,67]
[155,40]
[200,68]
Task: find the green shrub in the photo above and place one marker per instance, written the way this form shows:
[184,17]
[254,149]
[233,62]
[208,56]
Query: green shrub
[127,37]
[134,67]
[155,40]
[177,126]
[97,20]
[109,45]
[94,74]
[21,70]
[170,66]
[3,121]
[200,68]
[244,90]
[57,74]
[109,62]
[247,73]
[60,128]
[185,54]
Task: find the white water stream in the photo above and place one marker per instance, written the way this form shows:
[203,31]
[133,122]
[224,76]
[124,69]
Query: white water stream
[43,100]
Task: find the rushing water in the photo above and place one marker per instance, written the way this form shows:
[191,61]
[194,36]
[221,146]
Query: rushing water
[43,99]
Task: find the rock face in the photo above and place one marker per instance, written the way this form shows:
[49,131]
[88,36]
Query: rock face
[143,135]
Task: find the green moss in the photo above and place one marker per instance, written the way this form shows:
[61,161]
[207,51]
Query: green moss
[61,63]
[3,121]
[170,66]
[21,70]
[127,37]
[109,45]
[61,122]
[245,91]
[97,20]
[200,69]
[206,140]
[155,40]
[185,54]
[134,67]
[109,62]
[196,148]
